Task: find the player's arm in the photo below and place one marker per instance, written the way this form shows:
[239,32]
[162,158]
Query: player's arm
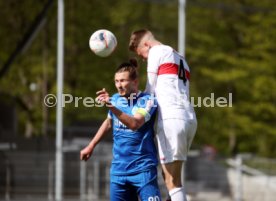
[132,122]
[102,131]
[142,114]
[152,71]
[151,82]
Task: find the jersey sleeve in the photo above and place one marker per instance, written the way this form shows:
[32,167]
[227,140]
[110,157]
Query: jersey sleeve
[147,107]
[152,69]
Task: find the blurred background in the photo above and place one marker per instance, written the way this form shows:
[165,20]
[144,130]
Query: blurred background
[230,48]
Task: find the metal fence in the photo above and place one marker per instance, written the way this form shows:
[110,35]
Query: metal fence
[31,176]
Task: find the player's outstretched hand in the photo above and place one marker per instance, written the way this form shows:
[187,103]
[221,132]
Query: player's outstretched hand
[85,153]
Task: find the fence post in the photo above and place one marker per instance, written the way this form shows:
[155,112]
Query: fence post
[82,180]
[90,191]
[239,178]
[8,181]
[107,180]
[50,180]
[96,178]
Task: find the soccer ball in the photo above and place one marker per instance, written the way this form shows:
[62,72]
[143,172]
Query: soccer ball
[102,42]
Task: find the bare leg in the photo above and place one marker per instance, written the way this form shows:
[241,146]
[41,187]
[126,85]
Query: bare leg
[172,173]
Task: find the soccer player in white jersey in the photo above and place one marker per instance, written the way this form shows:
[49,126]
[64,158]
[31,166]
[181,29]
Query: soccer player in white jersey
[168,77]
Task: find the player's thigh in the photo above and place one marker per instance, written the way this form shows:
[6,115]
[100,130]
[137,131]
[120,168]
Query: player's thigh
[122,192]
[191,131]
[147,185]
[172,140]
[150,192]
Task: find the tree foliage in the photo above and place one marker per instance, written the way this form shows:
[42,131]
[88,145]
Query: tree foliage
[230,47]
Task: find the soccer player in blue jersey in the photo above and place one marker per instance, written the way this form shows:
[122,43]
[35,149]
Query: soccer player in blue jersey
[131,115]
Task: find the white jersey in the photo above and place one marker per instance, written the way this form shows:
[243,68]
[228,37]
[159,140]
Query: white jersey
[168,79]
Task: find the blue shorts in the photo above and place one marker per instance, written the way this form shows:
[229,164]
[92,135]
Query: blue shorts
[128,188]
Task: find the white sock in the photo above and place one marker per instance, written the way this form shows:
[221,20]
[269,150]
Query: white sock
[178,194]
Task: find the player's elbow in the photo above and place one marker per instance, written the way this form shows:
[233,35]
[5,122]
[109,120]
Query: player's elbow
[135,125]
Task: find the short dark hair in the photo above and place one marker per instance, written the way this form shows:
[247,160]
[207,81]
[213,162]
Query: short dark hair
[131,66]
[136,38]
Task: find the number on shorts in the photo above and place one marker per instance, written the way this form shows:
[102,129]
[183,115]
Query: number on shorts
[155,198]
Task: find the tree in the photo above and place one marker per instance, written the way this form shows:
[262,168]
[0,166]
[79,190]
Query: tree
[231,56]
[230,49]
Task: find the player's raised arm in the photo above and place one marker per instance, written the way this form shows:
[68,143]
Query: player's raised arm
[132,122]
[103,130]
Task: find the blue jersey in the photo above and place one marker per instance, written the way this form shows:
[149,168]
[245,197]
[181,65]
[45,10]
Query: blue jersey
[133,151]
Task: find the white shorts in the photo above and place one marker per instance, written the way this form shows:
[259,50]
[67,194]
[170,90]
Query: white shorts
[174,138]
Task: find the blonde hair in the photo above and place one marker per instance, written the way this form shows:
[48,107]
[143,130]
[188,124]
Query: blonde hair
[137,36]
